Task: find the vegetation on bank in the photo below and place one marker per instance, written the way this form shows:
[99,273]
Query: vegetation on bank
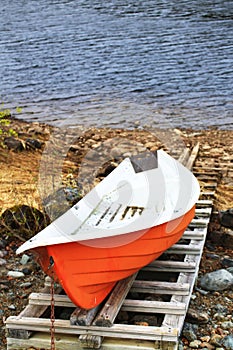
[5,125]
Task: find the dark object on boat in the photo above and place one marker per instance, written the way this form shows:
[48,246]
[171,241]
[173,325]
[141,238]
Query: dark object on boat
[226,218]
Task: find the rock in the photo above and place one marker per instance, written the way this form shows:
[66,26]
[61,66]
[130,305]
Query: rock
[27,271]
[227,325]
[227,262]
[195,344]
[2,261]
[15,274]
[14,144]
[189,332]
[3,244]
[227,342]
[12,307]
[221,309]
[59,202]
[3,253]
[226,218]
[194,316]
[216,340]
[207,346]
[217,280]
[23,219]
[26,285]
[230,269]
[224,239]
[25,259]
[33,144]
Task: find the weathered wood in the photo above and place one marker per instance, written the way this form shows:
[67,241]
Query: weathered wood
[71,342]
[149,306]
[113,304]
[203,203]
[90,341]
[193,235]
[158,287]
[201,222]
[203,212]
[84,317]
[184,156]
[193,156]
[117,330]
[184,249]
[170,266]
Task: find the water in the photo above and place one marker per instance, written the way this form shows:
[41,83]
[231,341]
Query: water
[118,62]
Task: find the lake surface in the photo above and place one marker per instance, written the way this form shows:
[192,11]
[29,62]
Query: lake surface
[118,62]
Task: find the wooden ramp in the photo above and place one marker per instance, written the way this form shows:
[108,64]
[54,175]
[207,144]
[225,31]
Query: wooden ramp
[157,297]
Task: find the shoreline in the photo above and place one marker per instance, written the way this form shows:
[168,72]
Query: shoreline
[75,147]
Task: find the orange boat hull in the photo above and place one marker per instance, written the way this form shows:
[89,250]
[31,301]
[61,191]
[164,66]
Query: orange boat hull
[89,270]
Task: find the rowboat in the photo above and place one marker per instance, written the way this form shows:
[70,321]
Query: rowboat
[129,219]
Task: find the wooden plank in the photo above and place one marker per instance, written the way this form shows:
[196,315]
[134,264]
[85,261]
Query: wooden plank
[150,306]
[184,249]
[201,222]
[158,287]
[123,331]
[193,156]
[193,235]
[84,317]
[170,266]
[113,304]
[64,342]
[202,203]
[184,156]
[203,212]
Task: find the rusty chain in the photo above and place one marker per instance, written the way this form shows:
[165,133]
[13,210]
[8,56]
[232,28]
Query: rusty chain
[52,305]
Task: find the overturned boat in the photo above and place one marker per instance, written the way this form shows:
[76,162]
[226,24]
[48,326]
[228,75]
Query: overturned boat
[129,219]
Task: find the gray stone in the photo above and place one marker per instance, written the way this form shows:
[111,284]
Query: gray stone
[24,260]
[15,274]
[196,317]
[230,269]
[217,280]
[227,325]
[14,144]
[2,262]
[227,342]
[26,285]
[227,262]
[189,332]
[226,218]
[221,309]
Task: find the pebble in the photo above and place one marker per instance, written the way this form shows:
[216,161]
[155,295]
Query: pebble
[217,280]
[26,285]
[12,307]
[15,274]
[227,342]
[2,261]
[227,262]
[221,309]
[195,344]
[216,340]
[206,345]
[195,316]
[227,325]
[24,260]
[189,332]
